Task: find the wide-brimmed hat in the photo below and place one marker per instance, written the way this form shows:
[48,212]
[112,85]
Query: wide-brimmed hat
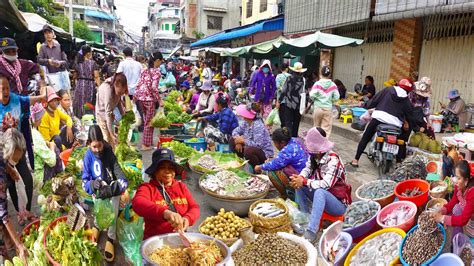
[423,87]
[8,43]
[185,84]
[298,67]
[162,155]
[316,143]
[37,111]
[52,94]
[207,86]
[454,93]
[246,111]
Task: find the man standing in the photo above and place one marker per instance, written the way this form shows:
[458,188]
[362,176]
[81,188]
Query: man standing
[50,54]
[131,69]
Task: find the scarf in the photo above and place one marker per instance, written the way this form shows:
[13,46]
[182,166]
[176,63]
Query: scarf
[14,70]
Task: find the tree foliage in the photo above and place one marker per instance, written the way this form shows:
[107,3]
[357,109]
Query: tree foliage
[45,8]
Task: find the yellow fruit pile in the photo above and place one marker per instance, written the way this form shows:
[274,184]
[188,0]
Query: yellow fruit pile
[224,225]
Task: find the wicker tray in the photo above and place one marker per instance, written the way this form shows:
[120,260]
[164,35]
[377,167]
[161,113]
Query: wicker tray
[284,228]
[229,241]
[272,222]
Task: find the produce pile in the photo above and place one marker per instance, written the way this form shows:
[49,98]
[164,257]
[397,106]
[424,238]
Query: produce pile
[124,151]
[178,118]
[225,225]
[215,161]
[234,184]
[423,142]
[426,223]
[380,250]
[200,253]
[268,210]
[270,249]
[74,165]
[413,167]
[132,173]
[160,120]
[378,189]
[72,247]
[360,212]
[398,216]
[60,192]
[179,149]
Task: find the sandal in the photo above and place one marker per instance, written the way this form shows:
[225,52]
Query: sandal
[354,165]
[95,234]
[109,252]
[146,148]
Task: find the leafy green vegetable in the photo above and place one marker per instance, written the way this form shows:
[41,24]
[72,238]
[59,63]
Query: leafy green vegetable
[160,121]
[193,140]
[104,213]
[125,152]
[173,96]
[76,155]
[180,149]
[72,247]
[133,175]
[30,238]
[172,106]
[124,126]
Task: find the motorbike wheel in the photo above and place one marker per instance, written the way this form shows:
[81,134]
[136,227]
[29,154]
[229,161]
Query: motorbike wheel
[384,167]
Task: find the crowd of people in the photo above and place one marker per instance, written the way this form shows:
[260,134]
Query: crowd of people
[38,125]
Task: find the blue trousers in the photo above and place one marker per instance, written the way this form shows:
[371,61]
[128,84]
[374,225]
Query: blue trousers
[322,201]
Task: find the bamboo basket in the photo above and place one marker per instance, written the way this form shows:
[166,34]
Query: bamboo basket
[441,194]
[228,241]
[284,228]
[269,223]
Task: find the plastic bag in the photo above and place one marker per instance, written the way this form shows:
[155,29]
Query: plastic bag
[461,241]
[104,213]
[273,118]
[130,235]
[170,80]
[299,219]
[21,192]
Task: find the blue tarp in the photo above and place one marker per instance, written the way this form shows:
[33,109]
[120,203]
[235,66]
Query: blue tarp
[98,14]
[266,25]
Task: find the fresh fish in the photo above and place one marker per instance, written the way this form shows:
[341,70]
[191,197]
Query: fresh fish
[359,212]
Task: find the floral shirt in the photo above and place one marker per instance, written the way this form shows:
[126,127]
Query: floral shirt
[255,135]
[418,101]
[293,154]
[147,88]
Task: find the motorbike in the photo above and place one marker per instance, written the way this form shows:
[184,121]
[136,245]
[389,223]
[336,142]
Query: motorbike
[384,147]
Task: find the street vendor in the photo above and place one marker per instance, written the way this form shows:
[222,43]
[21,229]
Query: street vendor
[12,149]
[322,182]
[251,139]
[187,92]
[165,203]
[291,160]
[104,179]
[50,126]
[459,211]
[206,101]
[454,114]
[226,120]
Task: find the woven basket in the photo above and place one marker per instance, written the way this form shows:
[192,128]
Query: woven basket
[269,223]
[284,228]
[228,241]
[438,195]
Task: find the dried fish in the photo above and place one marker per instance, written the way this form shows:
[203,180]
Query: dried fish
[412,192]
[267,209]
[412,167]
[208,162]
[359,212]
[398,216]
[438,189]
[228,183]
[380,250]
[377,189]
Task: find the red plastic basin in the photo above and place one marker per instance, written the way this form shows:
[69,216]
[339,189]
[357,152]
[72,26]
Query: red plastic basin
[65,156]
[405,226]
[423,186]
[432,167]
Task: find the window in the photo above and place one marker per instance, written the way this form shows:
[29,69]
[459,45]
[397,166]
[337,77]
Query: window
[249,8]
[167,27]
[263,5]
[214,23]
[176,12]
[173,27]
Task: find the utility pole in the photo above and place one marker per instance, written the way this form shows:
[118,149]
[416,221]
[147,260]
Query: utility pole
[71,21]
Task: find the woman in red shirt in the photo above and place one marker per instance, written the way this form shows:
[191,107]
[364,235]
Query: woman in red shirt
[459,211]
[165,203]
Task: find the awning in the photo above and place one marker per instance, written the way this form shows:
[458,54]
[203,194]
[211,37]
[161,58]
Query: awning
[36,23]
[174,51]
[10,16]
[98,14]
[263,25]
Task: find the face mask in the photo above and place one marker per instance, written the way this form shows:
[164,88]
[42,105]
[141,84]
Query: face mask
[266,70]
[11,58]
[98,154]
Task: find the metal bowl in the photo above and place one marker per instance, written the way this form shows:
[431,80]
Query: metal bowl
[173,240]
[239,206]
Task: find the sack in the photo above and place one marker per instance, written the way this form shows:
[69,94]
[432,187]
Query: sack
[130,234]
[59,80]
[104,213]
[273,118]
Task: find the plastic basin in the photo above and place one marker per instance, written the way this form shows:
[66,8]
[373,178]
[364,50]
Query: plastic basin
[199,145]
[432,167]
[358,111]
[447,259]
[64,155]
[46,233]
[26,230]
[440,227]
[340,261]
[182,138]
[411,184]
[365,227]
[405,226]
[384,201]
[361,243]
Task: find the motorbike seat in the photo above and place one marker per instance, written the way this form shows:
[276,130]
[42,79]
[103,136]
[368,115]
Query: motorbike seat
[386,128]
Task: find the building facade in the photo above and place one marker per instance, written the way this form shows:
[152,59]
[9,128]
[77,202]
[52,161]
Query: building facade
[163,23]
[255,10]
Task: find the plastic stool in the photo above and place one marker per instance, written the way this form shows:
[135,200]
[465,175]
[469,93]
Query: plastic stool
[345,118]
[328,217]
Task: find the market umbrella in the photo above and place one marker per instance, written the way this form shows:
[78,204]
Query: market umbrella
[36,23]
[288,56]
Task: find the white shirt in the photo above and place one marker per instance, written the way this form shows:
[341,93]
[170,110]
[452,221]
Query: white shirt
[387,118]
[132,70]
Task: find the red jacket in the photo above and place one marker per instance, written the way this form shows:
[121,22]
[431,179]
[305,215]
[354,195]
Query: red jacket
[150,204]
[468,211]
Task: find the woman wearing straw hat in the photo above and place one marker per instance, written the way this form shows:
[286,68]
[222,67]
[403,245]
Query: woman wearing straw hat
[290,99]
[455,113]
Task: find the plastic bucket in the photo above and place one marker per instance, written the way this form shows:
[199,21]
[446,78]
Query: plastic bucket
[436,122]
[199,145]
[441,228]
[406,225]
[411,184]
[358,111]
[448,259]
[64,155]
